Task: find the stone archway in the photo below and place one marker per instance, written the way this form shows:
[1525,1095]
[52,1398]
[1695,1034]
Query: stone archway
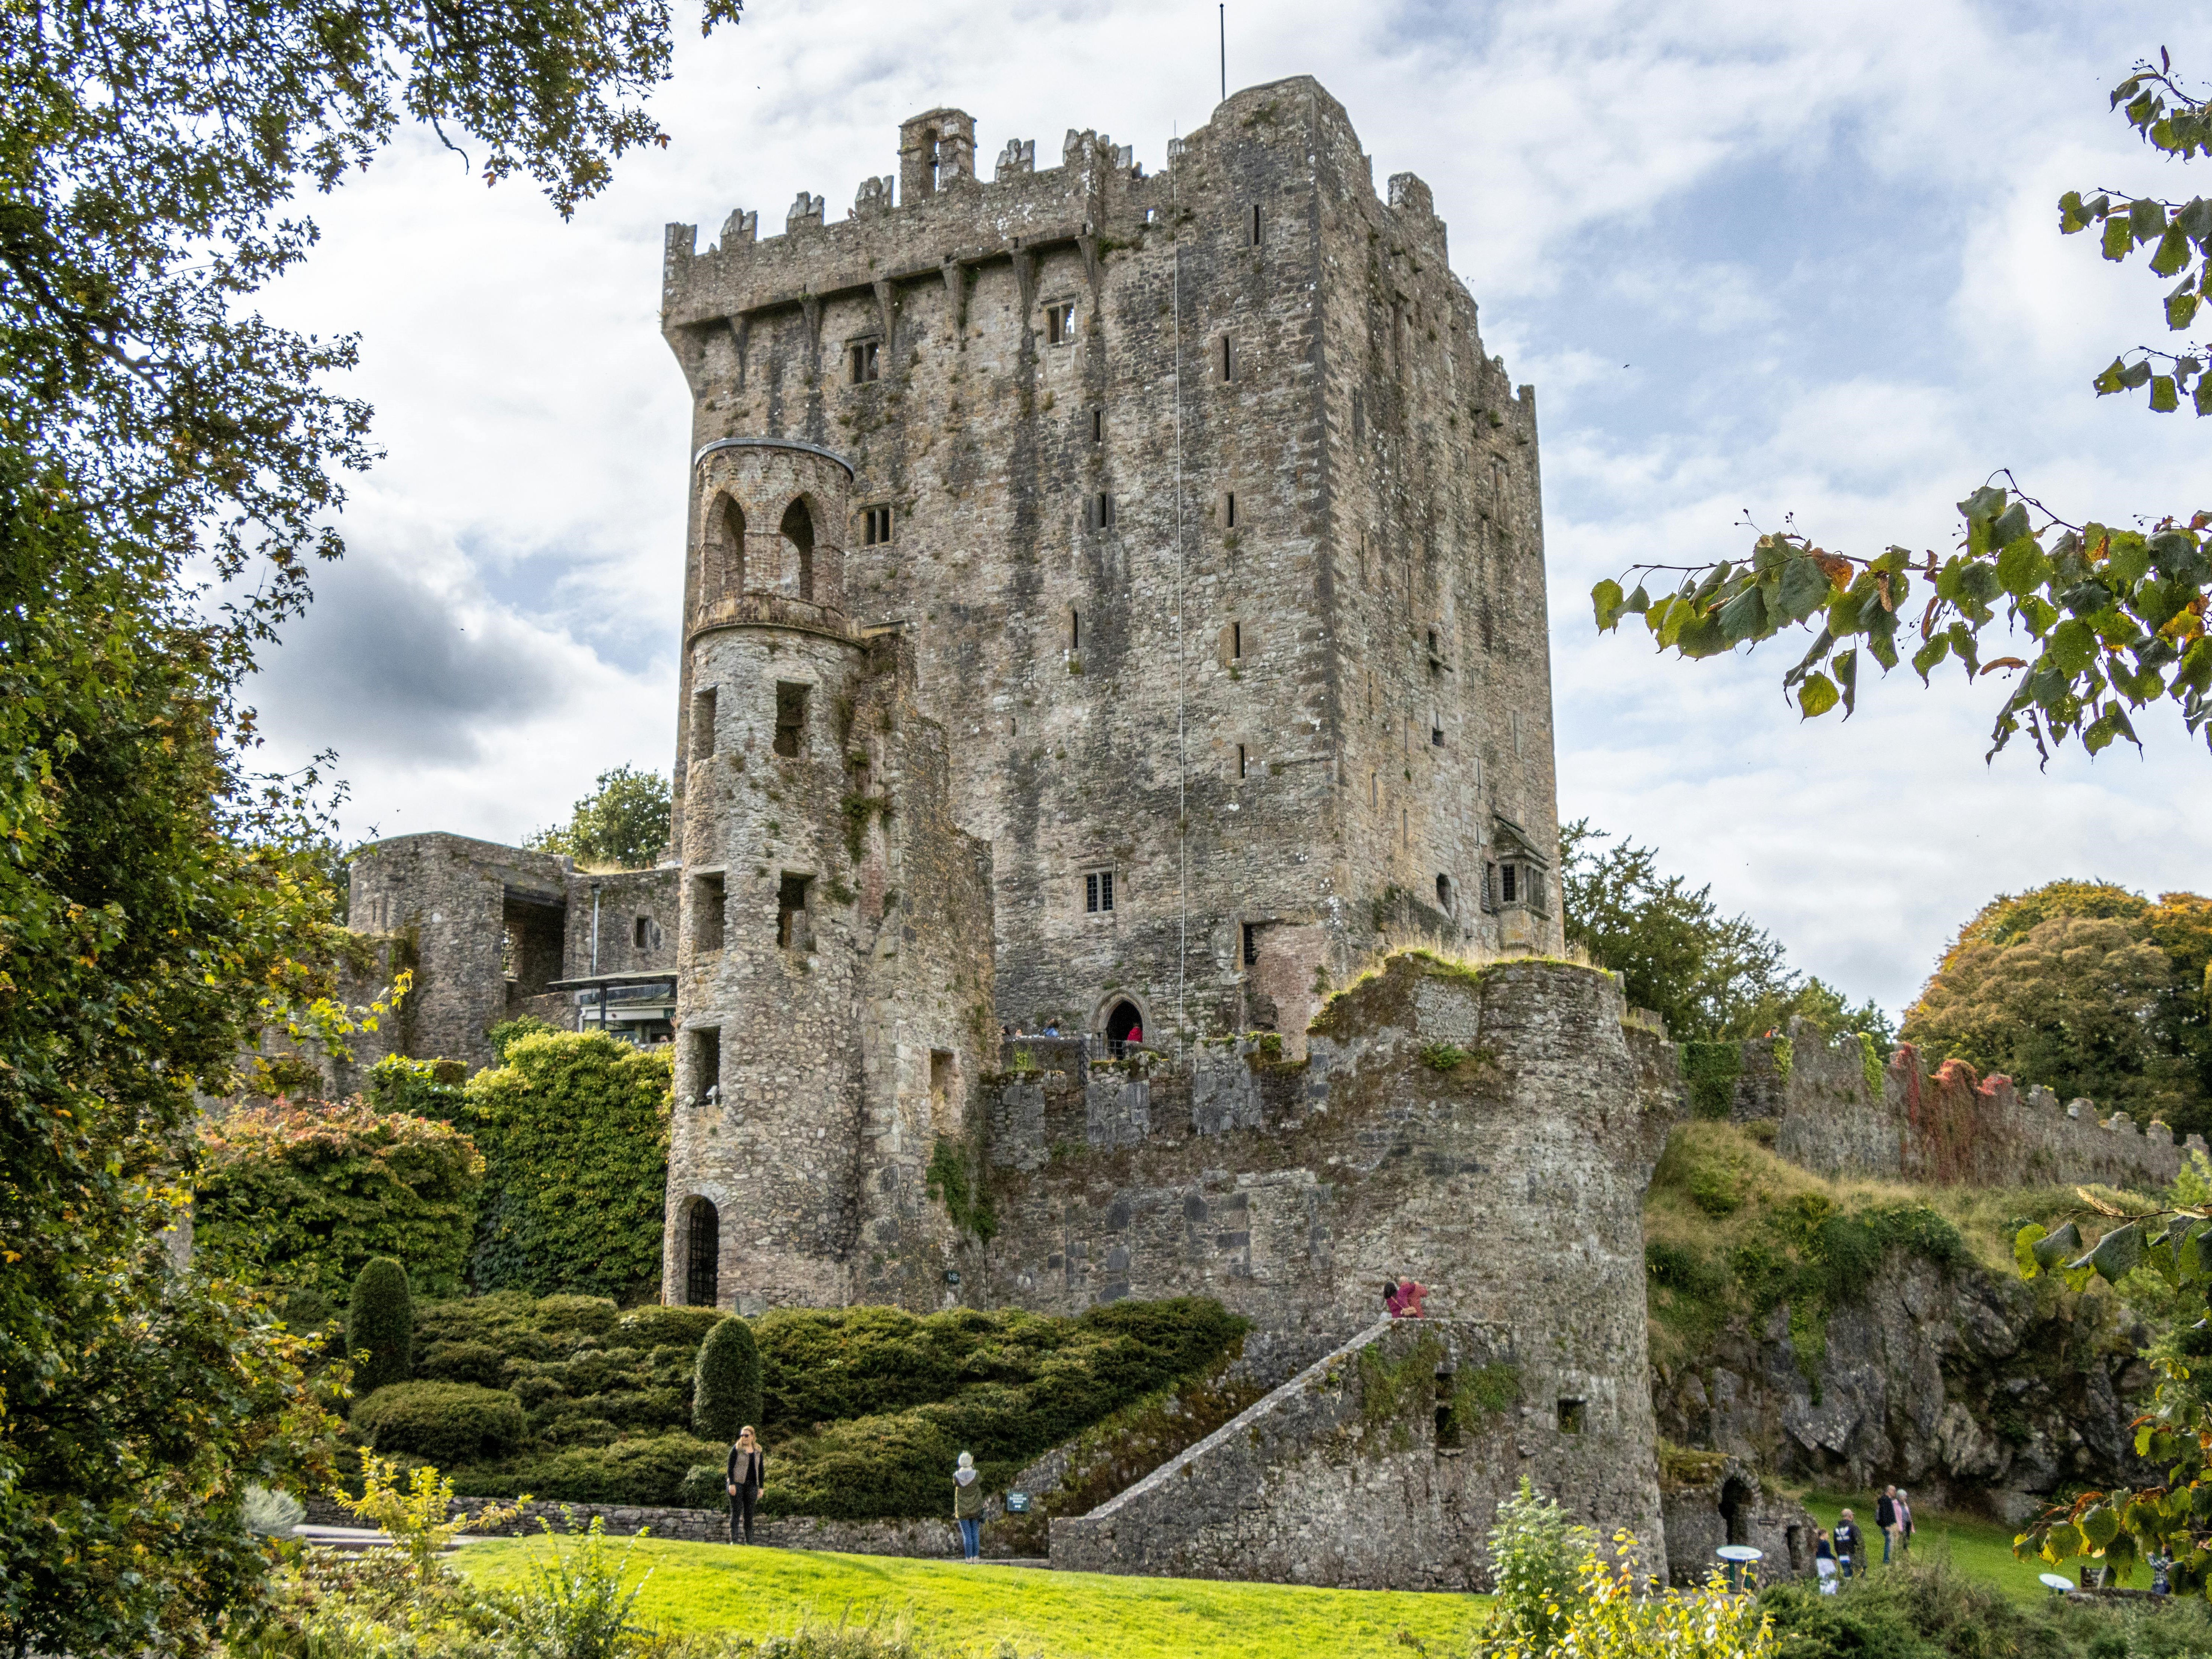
[1120,1018]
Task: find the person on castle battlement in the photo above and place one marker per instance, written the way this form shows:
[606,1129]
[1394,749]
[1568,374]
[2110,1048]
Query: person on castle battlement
[1404,1301]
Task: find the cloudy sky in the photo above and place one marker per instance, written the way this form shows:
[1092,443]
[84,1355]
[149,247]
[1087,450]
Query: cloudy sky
[1767,258]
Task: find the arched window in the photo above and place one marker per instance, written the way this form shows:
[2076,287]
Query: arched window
[798,529]
[1443,894]
[1124,1026]
[722,573]
[702,1246]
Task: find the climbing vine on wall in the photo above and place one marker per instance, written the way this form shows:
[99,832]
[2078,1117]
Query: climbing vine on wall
[573,1130]
[959,1187]
[1710,1070]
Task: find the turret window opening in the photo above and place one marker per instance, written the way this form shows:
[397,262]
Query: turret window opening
[702,1240]
[798,530]
[722,572]
[790,719]
[708,897]
[703,725]
[794,929]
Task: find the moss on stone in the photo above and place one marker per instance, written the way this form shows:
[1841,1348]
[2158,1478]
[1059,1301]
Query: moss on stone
[1710,1069]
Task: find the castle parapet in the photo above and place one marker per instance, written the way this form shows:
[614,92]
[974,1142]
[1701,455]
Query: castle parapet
[773,611]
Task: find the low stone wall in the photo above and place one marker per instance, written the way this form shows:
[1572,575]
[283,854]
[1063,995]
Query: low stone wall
[1720,1502]
[1349,1475]
[922,1538]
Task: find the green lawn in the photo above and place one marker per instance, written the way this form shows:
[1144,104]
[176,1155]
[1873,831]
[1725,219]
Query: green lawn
[1058,1615]
[1982,1549]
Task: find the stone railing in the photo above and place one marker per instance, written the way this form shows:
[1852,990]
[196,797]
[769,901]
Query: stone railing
[773,611]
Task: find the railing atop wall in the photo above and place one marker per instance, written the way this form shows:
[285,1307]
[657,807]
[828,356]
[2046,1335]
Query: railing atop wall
[773,611]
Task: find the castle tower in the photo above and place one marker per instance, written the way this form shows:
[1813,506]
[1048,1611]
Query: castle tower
[1218,533]
[821,1053]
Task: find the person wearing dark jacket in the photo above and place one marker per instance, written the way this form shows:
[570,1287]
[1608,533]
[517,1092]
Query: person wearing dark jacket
[1885,1518]
[968,1507]
[1849,1544]
[746,1475]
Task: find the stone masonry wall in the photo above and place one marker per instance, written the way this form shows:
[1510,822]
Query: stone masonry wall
[1510,1181]
[1342,612]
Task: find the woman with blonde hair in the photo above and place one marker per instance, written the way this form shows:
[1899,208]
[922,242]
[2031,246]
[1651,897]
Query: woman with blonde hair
[746,1474]
[968,1507]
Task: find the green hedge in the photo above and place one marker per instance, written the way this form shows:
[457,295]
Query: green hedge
[1011,1385]
[448,1424]
[637,1470]
[304,1196]
[573,1128]
[725,1387]
[381,1327]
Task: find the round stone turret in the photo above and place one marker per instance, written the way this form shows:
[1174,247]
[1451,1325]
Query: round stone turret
[771,524]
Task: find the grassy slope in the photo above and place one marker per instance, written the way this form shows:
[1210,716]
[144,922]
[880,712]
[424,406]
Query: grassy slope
[1059,1615]
[1980,1549]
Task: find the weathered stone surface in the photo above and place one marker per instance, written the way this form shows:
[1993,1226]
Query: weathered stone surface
[1726,1503]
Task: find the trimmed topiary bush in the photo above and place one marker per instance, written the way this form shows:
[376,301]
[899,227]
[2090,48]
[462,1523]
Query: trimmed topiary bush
[446,1423]
[463,1362]
[380,1327]
[648,1472]
[725,1389]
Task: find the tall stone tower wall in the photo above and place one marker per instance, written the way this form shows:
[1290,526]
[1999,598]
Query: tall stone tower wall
[1217,533]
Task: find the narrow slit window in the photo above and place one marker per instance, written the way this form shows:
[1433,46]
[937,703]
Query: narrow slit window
[641,932]
[876,526]
[1236,640]
[868,360]
[1097,892]
[1075,630]
[1251,945]
[792,931]
[702,1247]
[1436,727]
[1240,761]
[707,899]
[1097,426]
[790,719]
[1098,510]
[1444,894]
[1059,322]
[1509,886]
[703,725]
[1229,509]
[1228,359]
[1256,224]
[1358,414]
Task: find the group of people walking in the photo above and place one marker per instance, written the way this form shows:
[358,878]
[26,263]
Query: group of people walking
[1844,1549]
[746,1478]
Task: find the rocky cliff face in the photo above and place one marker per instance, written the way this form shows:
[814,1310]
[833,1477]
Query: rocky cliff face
[1966,1389]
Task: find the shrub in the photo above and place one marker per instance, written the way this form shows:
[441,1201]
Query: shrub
[726,1390]
[304,1196]
[381,1327]
[423,1087]
[1536,1554]
[463,1362]
[573,1127]
[641,1471]
[446,1423]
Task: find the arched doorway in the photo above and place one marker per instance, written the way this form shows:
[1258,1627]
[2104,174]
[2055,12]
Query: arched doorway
[702,1251]
[1124,1023]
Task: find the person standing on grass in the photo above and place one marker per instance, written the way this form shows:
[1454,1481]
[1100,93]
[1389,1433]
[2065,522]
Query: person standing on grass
[968,1507]
[1848,1544]
[1885,1518]
[746,1475]
[1903,1526]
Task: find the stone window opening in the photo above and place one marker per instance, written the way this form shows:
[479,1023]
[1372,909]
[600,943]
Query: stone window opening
[798,531]
[1252,226]
[1097,426]
[1242,764]
[1436,727]
[709,894]
[641,933]
[510,954]
[867,363]
[1228,510]
[722,571]
[1509,884]
[1075,628]
[875,527]
[1251,945]
[790,719]
[1444,894]
[702,1249]
[1059,322]
[1228,360]
[1236,640]
[703,725]
[1097,892]
[1360,430]
[793,925]
[944,1086]
[1098,510]
[1374,788]
[1451,1435]
[707,1064]
[1735,1495]
[1573,1415]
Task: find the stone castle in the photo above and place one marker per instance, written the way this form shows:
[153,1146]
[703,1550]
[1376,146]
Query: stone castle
[1115,608]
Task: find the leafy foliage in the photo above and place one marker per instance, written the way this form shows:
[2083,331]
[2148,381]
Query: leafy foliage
[304,1196]
[1613,1610]
[578,1602]
[2112,619]
[1536,1552]
[725,1391]
[573,1128]
[1708,976]
[620,825]
[446,1423]
[426,1088]
[381,1327]
[2088,989]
